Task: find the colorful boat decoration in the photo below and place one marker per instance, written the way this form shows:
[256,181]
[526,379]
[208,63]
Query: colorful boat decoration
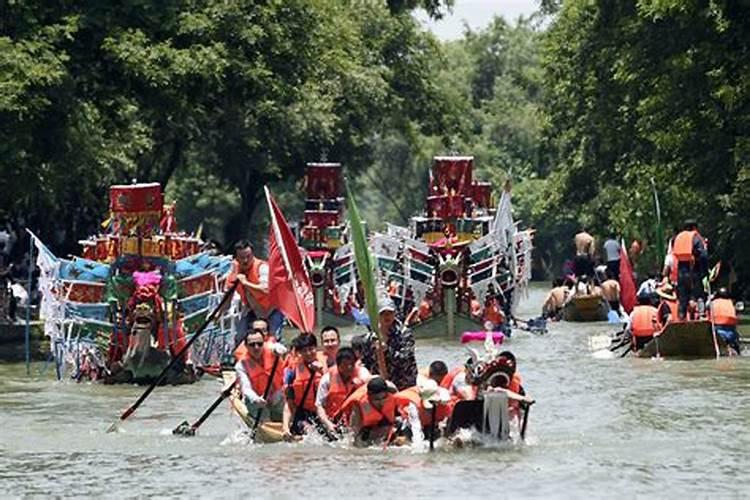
[123,309]
[460,254]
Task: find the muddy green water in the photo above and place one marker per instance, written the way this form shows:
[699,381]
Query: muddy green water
[601,428]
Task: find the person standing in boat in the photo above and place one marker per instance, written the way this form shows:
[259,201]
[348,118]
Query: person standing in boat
[252,274]
[400,358]
[583,264]
[691,258]
[612,255]
[724,316]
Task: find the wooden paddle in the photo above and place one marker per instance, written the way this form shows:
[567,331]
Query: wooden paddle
[185,429]
[175,358]
[432,426]
[527,407]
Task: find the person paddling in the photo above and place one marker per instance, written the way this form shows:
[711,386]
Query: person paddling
[301,379]
[254,370]
[371,411]
[644,323]
[338,384]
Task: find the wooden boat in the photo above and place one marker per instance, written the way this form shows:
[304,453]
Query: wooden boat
[267,432]
[684,339]
[586,308]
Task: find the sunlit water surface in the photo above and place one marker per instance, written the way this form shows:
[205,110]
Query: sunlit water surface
[602,427]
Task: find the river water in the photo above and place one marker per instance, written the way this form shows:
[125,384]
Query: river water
[612,428]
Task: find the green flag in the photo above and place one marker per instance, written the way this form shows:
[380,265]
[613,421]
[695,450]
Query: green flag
[365,263]
[658,228]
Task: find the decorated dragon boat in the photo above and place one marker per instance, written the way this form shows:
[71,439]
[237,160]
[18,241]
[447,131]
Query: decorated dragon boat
[458,258]
[122,311]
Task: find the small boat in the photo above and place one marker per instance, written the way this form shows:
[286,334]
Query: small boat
[586,308]
[684,339]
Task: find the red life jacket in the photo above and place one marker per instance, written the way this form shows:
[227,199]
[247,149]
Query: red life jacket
[339,390]
[723,312]
[644,321]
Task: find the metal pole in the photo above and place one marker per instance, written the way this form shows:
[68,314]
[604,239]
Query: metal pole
[27,330]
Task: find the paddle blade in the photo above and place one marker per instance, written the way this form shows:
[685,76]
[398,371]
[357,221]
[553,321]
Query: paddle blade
[184,429]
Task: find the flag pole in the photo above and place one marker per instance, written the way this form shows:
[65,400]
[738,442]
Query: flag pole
[27,329]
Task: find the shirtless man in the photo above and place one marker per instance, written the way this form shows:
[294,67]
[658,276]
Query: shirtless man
[584,261]
[555,299]
[611,291]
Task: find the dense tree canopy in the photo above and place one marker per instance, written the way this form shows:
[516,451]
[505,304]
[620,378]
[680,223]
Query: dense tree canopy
[585,106]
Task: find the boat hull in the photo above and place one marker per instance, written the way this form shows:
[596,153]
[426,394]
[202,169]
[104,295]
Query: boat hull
[586,308]
[267,432]
[441,325]
[684,339]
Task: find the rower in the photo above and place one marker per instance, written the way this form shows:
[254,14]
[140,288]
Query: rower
[329,337]
[302,380]
[253,371]
[611,291]
[337,385]
[644,323]
[454,380]
[371,410]
[415,406]
[555,299]
[724,316]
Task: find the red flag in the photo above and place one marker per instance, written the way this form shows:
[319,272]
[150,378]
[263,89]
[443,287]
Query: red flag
[288,283]
[627,285]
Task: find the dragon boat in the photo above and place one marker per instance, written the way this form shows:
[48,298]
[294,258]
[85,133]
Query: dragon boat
[685,339]
[583,308]
[121,311]
[458,255]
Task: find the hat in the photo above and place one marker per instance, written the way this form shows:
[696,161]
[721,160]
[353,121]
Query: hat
[376,385]
[430,393]
[666,292]
[386,305]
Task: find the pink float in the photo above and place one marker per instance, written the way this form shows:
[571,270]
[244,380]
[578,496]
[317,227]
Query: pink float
[497,337]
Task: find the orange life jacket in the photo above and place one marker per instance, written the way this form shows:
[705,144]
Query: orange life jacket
[674,308]
[369,415]
[447,381]
[410,395]
[259,372]
[723,312]
[682,248]
[253,275]
[425,310]
[644,321]
[301,378]
[339,390]
[492,313]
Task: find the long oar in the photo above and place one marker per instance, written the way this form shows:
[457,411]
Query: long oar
[266,391]
[175,358]
[185,429]
[626,351]
[432,426]
[525,420]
